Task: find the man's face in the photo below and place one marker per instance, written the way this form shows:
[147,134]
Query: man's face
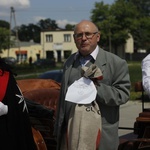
[86,37]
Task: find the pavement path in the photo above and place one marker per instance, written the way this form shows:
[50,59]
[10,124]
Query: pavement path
[128,114]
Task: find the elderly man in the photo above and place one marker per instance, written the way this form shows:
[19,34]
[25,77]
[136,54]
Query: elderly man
[113,89]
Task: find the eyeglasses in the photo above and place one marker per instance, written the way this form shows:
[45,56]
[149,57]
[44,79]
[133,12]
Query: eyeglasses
[88,35]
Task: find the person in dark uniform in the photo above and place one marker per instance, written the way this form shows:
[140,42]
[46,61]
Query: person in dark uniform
[15,128]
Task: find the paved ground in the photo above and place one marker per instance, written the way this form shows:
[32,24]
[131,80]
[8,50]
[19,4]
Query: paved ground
[128,114]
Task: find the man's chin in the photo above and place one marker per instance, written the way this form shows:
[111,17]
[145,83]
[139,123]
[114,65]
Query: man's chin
[84,48]
[84,51]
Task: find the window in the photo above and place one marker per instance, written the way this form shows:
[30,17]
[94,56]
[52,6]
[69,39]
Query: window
[49,38]
[67,37]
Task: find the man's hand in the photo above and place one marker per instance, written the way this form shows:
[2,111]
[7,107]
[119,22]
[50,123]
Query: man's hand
[93,72]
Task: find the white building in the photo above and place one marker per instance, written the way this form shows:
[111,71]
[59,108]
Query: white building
[22,51]
[57,44]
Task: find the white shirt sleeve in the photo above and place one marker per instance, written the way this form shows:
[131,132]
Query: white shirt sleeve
[146,74]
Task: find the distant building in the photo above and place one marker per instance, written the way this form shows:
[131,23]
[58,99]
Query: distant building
[55,44]
[22,51]
[129,46]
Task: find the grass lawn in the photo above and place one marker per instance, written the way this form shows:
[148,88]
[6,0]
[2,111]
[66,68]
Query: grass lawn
[25,69]
[135,76]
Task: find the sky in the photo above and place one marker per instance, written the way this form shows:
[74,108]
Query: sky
[62,11]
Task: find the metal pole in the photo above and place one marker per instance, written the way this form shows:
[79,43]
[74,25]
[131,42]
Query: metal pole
[9,31]
[43,46]
[18,42]
[17,39]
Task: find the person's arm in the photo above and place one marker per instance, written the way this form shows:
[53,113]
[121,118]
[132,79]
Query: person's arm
[146,74]
[114,89]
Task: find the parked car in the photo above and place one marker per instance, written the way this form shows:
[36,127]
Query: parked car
[52,74]
[10,60]
[44,62]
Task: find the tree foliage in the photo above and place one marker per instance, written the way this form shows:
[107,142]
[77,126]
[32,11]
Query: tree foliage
[143,6]
[120,19]
[69,27]
[29,32]
[4,39]
[47,24]
[4,24]
[32,31]
[141,32]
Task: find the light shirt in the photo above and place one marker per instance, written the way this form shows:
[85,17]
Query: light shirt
[83,91]
[146,74]
[95,52]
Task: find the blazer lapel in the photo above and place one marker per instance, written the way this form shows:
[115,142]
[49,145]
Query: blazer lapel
[101,60]
[68,70]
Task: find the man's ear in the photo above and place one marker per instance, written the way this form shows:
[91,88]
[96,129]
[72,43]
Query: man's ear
[98,37]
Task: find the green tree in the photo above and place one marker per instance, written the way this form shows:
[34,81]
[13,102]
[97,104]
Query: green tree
[100,16]
[125,14]
[69,27]
[113,21]
[141,32]
[118,20]
[32,31]
[29,32]
[4,24]
[47,24]
[4,39]
[142,5]
[23,33]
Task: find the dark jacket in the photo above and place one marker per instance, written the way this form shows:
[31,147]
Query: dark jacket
[15,128]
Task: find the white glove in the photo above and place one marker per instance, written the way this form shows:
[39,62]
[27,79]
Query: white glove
[3,109]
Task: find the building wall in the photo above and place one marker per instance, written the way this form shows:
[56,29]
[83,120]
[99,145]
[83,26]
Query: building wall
[24,51]
[57,48]
[129,46]
[58,43]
